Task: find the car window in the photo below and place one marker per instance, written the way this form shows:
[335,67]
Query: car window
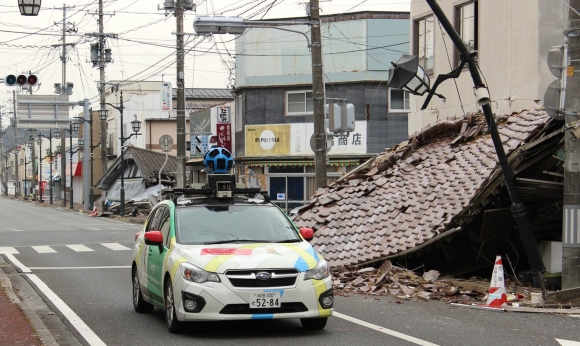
[150,220]
[165,225]
[222,223]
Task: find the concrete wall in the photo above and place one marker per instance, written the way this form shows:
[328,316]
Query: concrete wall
[514,37]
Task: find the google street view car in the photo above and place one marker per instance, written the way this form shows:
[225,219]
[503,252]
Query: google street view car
[211,253]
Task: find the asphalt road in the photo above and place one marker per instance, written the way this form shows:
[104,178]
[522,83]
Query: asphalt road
[84,264]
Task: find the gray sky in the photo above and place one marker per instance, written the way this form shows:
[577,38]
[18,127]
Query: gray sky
[144,48]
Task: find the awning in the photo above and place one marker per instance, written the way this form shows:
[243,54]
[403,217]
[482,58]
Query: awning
[77,169]
[346,162]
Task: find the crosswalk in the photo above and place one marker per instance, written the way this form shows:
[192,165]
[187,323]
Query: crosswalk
[45,249]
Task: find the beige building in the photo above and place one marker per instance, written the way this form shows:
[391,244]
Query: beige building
[512,38]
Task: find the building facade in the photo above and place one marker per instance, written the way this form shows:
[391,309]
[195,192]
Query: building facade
[274,106]
[512,39]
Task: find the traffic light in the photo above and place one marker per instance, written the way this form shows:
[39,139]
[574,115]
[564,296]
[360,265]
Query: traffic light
[21,80]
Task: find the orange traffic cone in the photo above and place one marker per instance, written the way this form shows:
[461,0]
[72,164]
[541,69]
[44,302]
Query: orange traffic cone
[497,295]
[95,212]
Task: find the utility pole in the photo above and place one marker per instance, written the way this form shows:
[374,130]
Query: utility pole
[570,238]
[2,168]
[318,97]
[16,182]
[63,92]
[102,95]
[180,97]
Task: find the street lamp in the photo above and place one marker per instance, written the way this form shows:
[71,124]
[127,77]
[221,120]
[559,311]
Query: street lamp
[51,156]
[29,7]
[136,126]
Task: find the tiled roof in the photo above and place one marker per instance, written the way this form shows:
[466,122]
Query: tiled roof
[150,162]
[414,193]
[206,93]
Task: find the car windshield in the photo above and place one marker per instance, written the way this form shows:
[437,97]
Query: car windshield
[221,224]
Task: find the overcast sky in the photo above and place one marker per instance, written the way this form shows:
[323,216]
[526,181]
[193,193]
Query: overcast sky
[144,48]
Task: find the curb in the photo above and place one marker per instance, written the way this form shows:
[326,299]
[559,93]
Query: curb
[39,327]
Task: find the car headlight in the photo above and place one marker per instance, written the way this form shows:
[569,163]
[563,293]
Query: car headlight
[195,274]
[319,272]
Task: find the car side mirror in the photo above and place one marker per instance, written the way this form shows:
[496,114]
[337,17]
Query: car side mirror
[153,238]
[307,233]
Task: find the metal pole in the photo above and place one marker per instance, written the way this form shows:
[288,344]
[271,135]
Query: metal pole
[318,97]
[51,158]
[570,242]
[16,182]
[63,92]
[25,175]
[102,97]
[40,168]
[86,154]
[71,166]
[122,207]
[2,167]
[180,97]
[33,164]
[518,208]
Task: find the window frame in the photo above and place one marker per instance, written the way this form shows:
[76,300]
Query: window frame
[458,8]
[416,34]
[406,97]
[305,112]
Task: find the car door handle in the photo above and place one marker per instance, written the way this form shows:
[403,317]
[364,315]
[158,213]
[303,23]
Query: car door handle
[150,251]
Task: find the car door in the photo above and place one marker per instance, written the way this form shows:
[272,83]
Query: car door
[156,255]
[143,254]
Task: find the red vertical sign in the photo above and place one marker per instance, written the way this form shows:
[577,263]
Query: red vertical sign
[224,136]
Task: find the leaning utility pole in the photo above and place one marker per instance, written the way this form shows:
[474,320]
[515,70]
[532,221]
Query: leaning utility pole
[180,97]
[102,94]
[318,97]
[570,237]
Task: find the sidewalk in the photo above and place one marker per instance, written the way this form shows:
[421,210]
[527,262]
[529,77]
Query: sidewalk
[19,322]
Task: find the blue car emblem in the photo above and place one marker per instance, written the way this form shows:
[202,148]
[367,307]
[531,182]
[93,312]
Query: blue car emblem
[263,276]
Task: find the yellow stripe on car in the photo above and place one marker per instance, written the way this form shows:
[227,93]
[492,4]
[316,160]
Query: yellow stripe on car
[320,287]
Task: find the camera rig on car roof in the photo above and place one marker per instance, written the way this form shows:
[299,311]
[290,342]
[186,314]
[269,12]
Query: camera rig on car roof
[218,186]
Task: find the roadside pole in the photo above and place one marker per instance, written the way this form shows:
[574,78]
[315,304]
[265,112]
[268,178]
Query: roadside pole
[571,221]
[16,182]
[180,97]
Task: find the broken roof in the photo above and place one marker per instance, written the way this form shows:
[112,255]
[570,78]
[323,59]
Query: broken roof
[415,193]
[149,162]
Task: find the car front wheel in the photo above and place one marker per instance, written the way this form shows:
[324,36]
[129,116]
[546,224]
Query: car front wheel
[314,323]
[139,304]
[173,325]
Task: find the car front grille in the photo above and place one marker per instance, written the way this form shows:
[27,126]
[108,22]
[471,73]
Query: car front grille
[233,309]
[248,278]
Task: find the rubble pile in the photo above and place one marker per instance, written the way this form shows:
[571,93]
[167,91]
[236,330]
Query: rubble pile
[389,280]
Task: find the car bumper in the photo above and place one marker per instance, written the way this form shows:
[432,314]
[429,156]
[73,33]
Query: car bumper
[221,301]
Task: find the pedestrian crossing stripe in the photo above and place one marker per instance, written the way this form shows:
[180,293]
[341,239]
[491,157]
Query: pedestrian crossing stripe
[44,249]
[8,250]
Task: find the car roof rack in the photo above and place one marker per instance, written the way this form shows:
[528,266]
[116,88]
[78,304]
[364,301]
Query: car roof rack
[218,186]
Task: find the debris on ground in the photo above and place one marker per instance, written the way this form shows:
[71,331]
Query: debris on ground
[404,284]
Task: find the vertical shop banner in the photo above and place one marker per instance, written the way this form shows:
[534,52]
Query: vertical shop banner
[223,114]
[166,102]
[224,136]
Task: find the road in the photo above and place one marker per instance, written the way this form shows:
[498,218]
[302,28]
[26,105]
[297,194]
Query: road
[80,266]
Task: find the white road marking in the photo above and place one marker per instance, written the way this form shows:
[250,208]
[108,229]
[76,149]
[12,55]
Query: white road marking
[44,249]
[568,342]
[384,330]
[7,250]
[79,248]
[115,246]
[17,263]
[67,312]
[96,267]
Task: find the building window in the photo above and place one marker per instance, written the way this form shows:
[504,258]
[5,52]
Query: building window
[399,101]
[466,26]
[424,42]
[299,102]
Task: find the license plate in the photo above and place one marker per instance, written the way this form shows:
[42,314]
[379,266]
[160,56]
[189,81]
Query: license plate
[265,300]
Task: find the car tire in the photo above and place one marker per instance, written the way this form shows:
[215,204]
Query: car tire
[173,325]
[314,323]
[139,304]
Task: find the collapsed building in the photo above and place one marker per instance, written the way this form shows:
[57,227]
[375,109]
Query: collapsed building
[438,200]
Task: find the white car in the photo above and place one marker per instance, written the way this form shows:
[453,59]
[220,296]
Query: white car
[207,259]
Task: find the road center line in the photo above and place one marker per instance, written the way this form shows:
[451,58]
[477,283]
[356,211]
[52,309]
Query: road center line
[70,315]
[384,330]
